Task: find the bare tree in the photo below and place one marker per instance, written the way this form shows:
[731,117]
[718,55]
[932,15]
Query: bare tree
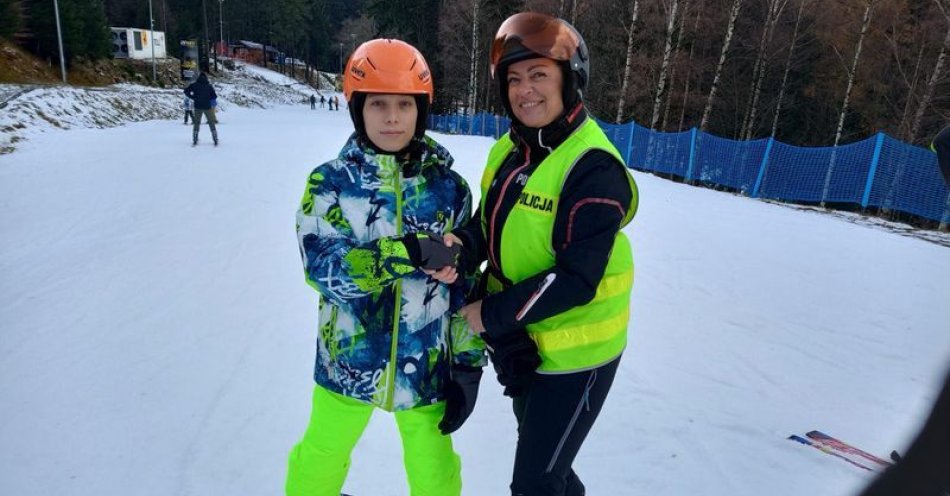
[689,68]
[733,15]
[934,77]
[676,52]
[788,66]
[665,64]
[868,5]
[631,30]
[476,56]
[773,11]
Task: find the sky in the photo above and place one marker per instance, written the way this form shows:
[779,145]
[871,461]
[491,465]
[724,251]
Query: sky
[157,336]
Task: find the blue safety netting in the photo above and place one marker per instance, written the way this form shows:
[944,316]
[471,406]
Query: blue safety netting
[879,171]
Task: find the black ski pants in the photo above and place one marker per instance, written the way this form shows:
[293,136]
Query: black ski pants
[555,412]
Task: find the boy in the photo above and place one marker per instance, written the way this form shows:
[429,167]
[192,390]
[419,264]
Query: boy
[369,229]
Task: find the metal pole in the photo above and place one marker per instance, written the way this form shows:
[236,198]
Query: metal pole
[151,28]
[59,36]
[221,22]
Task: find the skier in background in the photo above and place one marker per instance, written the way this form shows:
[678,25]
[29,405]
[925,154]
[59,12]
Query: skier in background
[368,228]
[188,106]
[201,92]
[313,102]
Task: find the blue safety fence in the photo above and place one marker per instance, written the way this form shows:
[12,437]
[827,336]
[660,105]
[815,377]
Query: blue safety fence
[879,172]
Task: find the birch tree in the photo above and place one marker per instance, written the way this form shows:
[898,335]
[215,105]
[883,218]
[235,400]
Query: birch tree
[665,64]
[934,77]
[788,66]
[868,5]
[676,51]
[689,68]
[773,11]
[631,31]
[733,15]
[476,56]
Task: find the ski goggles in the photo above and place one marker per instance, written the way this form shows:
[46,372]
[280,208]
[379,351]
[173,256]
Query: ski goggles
[540,33]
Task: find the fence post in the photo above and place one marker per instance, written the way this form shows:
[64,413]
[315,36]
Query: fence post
[765,163]
[630,144]
[878,144]
[692,154]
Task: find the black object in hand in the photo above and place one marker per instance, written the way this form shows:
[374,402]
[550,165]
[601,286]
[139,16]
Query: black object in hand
[515,358]
[428,251]
[461,391]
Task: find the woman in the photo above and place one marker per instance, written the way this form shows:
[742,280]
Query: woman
[368,229]
[555,194]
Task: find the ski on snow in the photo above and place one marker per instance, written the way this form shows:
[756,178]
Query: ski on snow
[842,450]
[844,447]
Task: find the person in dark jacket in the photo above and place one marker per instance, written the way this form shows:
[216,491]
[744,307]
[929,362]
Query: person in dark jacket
[313,102]
[555,195]
[941,145]
[925,469]
[202,93]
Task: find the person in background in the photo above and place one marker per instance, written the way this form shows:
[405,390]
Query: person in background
[924,470]
[322,100]
[202,93]
[189,107]
[941,146]
[369,229]
[313,102]
[555,195]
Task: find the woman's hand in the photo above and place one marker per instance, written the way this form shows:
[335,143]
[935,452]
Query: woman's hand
[446,274]
[473,315]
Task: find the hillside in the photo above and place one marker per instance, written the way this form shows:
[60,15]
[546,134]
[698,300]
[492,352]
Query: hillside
[34,108]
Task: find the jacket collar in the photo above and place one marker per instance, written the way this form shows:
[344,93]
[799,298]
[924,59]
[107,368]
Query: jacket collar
[418,155]
[542,141]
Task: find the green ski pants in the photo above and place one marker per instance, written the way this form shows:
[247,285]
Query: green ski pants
[318,464]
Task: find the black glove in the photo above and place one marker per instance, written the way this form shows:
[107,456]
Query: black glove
[515,358]
[428,251]
[461,391]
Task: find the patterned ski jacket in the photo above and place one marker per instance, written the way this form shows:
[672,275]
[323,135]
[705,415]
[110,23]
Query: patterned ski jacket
[387,335]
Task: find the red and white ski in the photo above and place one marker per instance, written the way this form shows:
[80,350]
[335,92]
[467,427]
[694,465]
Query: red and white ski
[845,448]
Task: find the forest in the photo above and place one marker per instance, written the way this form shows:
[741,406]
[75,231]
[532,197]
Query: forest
[806,72]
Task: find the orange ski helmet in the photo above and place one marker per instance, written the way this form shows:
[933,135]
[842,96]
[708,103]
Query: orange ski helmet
[387,66]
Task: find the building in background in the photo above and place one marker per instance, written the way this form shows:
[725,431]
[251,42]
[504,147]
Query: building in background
[134,43]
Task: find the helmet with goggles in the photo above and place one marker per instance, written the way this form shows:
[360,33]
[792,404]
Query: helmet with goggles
[532,34]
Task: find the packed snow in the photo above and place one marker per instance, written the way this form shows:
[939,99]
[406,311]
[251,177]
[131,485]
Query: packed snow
[158,337]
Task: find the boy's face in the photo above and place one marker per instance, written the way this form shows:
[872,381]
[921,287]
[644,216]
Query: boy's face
[390,120]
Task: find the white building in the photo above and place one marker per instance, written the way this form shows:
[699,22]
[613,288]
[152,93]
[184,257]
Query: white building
[134,43]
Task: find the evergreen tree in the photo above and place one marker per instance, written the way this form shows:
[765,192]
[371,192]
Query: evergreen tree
[9,18]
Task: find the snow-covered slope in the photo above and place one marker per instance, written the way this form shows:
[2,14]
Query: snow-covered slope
[156,333]
[26,110]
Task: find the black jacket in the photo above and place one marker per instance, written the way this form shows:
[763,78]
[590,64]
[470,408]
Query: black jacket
[584,230]
[941,145]
[201,92]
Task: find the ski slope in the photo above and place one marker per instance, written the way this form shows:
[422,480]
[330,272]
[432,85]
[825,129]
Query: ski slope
[156,333]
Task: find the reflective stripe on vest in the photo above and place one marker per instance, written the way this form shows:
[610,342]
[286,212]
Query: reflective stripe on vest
[591,334]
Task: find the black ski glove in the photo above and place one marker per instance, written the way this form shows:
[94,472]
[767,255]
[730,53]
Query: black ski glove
[461,391]
[428,251]
[515,358]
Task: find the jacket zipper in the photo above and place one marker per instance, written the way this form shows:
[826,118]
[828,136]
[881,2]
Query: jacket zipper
[493,257]
[391,380]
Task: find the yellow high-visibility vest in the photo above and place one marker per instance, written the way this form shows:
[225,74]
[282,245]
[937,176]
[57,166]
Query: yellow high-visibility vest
[588,335]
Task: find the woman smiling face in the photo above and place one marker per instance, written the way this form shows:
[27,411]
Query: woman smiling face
[534,91]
